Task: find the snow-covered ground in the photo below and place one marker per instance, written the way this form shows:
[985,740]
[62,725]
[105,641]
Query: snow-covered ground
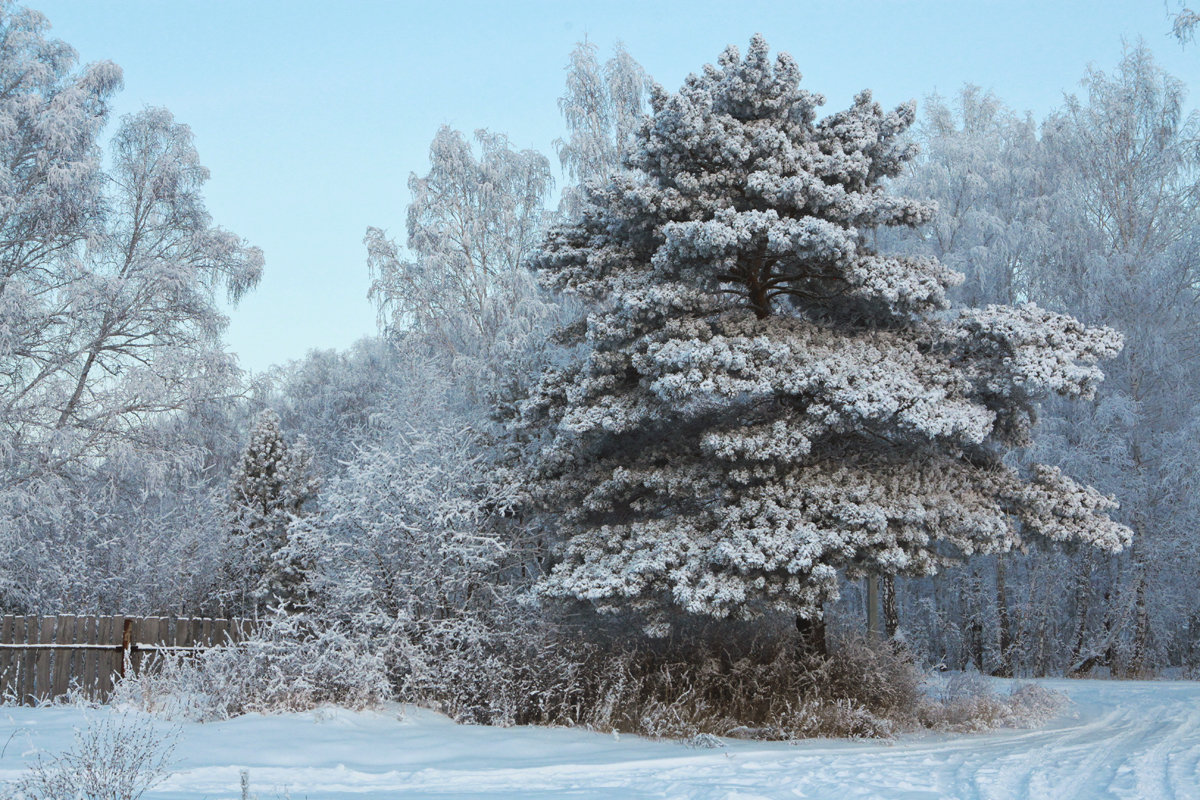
[1117,739]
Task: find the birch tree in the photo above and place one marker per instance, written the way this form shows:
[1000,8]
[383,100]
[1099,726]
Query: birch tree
[126,325]
[471,224]
[1126,256]
[602,108]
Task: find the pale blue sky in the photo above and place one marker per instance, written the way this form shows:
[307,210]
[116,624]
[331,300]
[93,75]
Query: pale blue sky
[312,115]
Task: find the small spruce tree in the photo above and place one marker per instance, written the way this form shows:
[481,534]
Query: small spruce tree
[759,402]
[271,488]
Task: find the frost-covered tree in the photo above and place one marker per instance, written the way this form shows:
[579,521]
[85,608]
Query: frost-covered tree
[471,224]
[50,182]
[980,162]
[111,285]
[271,493]
[983,166]
[416,516]
[1127,226]
[1183,24]
[463,299]
[764,403]
[123,328]
[339,400]
[602,107]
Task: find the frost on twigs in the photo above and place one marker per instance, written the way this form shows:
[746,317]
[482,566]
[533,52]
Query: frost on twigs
[761,402]
[118,756]
[292,662]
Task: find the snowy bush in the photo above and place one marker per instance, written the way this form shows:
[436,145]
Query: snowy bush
[117,757]
[292,663]
[968,701]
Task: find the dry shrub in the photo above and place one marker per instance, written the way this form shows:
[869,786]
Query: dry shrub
[718,680]
[767,690]
[708,682]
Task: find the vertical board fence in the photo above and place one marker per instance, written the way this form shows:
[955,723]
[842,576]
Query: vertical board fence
[42,657]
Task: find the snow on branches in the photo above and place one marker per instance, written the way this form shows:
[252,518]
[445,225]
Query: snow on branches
[271,487]
[760,401]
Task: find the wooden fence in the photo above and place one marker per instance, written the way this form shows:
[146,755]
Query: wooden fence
[42,657]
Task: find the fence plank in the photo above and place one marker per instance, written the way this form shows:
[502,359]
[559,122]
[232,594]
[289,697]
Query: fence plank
[85,662]
[220,632]
[27,658]
[184,628]
[45,636]
[64,633]
[106,660]
[206,632]
[6,655]
[17,684]
[145,631]
[75,665]
[8,671]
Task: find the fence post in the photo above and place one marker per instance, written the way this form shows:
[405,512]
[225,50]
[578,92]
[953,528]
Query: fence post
[126,644]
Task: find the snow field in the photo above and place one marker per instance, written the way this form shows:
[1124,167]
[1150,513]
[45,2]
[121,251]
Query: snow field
[1135,740]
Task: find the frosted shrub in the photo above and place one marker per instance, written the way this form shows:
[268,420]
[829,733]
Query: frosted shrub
[292,663]
[117,757]
[497,668]
[969,702]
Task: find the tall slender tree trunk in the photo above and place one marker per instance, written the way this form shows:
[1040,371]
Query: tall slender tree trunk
[1082,597]
[872,607]
[891,613]
[975,624]
[1042,615]
[1006,667]
[1111,655]
[1141,634]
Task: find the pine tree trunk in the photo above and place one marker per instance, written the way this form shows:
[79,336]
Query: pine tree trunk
[1006,668]
[872,607]
[1141,635]
[812,636]
[891,614]
[975,627]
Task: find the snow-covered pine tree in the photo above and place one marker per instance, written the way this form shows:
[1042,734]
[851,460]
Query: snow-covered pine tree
[762,402]
[271,486]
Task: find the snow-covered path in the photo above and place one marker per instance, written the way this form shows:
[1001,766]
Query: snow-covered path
[1118,739]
